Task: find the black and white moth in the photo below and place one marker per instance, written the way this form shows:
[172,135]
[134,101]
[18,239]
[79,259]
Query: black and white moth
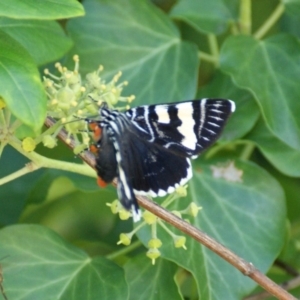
[148,148]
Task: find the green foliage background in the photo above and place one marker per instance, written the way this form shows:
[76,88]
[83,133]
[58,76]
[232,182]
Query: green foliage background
[58,238]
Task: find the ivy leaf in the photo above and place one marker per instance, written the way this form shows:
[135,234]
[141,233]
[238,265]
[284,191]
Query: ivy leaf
[283,157]
[20,84]
[16,190]
[246,216]
[206,16]
[39,264]
[137,38]
[30,33]
[268,69]
[292,7]
[163,287]
[46,9]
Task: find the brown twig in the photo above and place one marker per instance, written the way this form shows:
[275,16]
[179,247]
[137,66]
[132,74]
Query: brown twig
[244,267]
[288,285]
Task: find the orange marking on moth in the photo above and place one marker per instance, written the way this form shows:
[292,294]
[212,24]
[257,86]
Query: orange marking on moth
[101,182]
[93,148]
[96,129]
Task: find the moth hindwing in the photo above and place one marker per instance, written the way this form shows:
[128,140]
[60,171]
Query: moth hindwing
[148,148]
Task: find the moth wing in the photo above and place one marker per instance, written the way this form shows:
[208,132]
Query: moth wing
[150,169]
[185,128]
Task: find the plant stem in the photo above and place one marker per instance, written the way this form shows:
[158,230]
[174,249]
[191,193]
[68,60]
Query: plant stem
[124,250]
[247,151]
[7,116]
[2,118]
[166,228]
[14,126]
[207,57]
[274,17]
[234,29]
[49,131]
[30,167]
[44,162]
[213,151]
[214,48]
[245,17]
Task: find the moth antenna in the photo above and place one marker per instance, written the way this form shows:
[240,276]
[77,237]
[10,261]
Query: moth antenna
[102,105]
[78,119]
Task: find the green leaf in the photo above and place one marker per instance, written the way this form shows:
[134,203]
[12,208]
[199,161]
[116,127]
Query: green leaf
[247,217]
[292,7]
[20,84]
[43,10]
[34,36]
[247,111]
[290,24]
[206,16]
[89,217]
[283,157]
[40,190]
[39,264]
[268,69]
[163,287]
[137,38]
[14,193]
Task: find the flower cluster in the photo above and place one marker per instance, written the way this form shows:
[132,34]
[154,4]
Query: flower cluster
[71,100]
[151,220]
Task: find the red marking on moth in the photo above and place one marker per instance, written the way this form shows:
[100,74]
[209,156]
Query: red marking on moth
[93,148]
[96,129]
[101,182]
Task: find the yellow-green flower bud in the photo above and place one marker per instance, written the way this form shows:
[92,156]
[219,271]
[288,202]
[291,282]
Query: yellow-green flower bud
[193,209]
[79,148]
[153,254]
[114,206]
[154,243]
[125,239]
[72,78]
[74,127]
[28,144]
[94,80]
[49,141]
[124,214]
[111,99]
[181,191]
[179,241]
[149,217]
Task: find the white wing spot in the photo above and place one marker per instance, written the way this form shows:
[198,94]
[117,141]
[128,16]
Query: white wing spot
[215,117]
[185,114]
[162,114]
[213,124]
[217,111]
[232,105]
[210,131]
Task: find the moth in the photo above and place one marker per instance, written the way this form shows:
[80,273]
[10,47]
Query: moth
[149,148]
